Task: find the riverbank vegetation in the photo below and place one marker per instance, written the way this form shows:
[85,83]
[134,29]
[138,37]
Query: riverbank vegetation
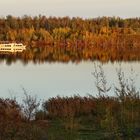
[90,117]
[72,39]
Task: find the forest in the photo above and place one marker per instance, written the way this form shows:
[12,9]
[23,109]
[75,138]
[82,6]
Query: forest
[72,39]
[99,117]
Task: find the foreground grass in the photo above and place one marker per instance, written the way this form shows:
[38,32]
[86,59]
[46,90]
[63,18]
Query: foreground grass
[71,118]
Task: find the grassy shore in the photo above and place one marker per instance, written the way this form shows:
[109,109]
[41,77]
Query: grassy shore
[100,117]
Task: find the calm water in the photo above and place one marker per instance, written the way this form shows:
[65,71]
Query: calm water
[52,79]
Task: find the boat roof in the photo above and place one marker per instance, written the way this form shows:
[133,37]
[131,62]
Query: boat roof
[9,42]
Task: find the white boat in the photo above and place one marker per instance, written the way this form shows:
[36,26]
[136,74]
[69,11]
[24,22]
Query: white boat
[12,47]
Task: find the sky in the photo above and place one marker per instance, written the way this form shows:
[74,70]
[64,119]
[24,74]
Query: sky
[72,8]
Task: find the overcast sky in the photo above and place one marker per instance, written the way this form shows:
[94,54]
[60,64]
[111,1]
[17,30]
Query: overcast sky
[72,8]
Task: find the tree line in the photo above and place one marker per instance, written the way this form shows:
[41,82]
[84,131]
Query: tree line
[68,39]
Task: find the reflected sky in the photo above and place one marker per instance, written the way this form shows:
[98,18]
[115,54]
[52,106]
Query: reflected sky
[82,8]
[52,79]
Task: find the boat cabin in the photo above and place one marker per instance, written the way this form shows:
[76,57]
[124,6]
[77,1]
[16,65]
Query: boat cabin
[12,47]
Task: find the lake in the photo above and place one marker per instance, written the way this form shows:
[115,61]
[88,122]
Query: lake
[51,79]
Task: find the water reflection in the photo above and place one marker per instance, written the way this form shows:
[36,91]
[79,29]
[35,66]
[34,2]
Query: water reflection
[50,79]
